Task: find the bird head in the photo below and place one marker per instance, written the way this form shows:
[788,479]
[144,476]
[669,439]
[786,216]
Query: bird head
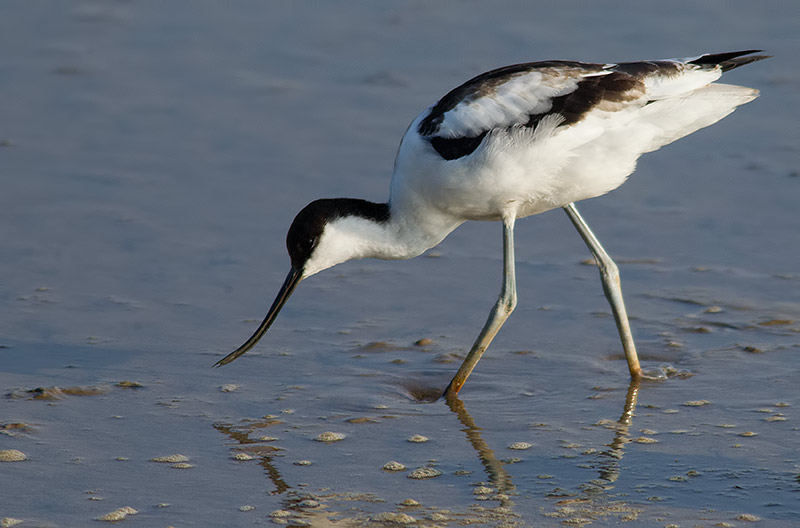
[324,233]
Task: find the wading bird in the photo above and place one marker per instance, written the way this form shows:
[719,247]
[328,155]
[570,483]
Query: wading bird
[510,143]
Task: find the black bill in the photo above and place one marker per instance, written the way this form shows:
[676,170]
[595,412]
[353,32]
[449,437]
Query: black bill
[294,278]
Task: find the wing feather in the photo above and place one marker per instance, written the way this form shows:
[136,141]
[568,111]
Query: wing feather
[524,94]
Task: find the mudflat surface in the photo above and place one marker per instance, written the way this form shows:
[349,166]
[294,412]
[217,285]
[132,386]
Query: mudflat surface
[152,157]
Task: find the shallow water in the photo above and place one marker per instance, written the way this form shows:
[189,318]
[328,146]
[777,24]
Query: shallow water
[151,159]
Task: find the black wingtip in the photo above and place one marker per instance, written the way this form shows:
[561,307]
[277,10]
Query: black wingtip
[729,60]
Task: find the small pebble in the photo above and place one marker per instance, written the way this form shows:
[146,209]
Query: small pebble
[393,465]
[696,403]
[424,473]
[278,514]
[229,387]
[748,433]
[129,384]
[181,465]
[418,439]
[423,342]
[783,404]
[170,459]
[361,419]
[8,522]
[748,517]
[646,440]
[482,490]
[308,503]
[392,517]
[409,502]
[302,462]
[12,455]
[329,436]
[520,445]
[15,429]
[246,508]
[243,456]
[118,515]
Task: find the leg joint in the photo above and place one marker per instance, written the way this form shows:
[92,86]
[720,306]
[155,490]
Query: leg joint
[507,303]
[609,269]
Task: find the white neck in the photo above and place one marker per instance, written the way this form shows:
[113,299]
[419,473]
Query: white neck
[406,234]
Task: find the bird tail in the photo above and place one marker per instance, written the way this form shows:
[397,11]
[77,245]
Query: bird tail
[675,118]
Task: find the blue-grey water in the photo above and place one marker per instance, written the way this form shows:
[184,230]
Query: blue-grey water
[152,156]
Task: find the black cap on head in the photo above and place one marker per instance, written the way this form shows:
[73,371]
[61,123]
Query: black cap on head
[307,227]
[305,231]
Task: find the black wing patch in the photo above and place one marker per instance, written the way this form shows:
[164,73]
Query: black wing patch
[454,148]
[613,88]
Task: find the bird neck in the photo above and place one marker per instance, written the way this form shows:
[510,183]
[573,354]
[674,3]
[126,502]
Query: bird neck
[382,231]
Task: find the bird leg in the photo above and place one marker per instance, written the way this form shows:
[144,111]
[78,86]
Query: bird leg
[609,273]
[502,309]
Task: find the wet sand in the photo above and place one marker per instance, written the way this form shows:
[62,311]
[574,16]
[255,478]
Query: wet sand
[151,159]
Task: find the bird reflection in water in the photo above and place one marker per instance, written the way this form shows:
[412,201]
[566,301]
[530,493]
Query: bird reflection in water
[593,501]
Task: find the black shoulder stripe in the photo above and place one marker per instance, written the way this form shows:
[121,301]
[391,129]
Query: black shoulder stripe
[454,148]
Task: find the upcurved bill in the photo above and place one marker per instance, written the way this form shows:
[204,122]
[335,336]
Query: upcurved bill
[292,280]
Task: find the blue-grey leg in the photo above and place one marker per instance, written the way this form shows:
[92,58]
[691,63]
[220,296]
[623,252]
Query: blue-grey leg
[609,273]
[502,309]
